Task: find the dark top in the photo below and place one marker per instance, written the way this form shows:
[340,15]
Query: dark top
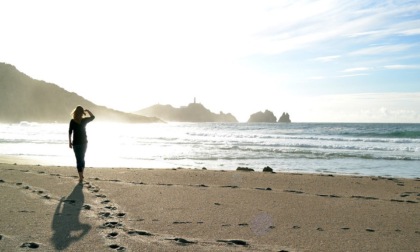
[79,130]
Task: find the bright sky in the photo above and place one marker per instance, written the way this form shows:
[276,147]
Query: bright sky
[331,61]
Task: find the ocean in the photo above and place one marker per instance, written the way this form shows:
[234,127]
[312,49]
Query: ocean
[390,150]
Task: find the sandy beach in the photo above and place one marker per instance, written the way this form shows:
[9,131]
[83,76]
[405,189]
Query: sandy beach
[46,209]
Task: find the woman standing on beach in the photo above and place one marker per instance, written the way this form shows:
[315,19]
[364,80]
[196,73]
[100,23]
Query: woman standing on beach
[77,127]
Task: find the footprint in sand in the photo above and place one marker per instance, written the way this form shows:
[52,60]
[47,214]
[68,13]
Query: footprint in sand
[86,207]
[160,184]
[104,214]
[70,201]
[181,222]
[396,200]
[329,195]
[31,245]
[111,224]
[264,189]
[26,211]
[294,191]
[112,235]
[136,232]
[230,186]
[236,242]
[364,197]
[201,185]
[137,183]
[117,247]
[181,241]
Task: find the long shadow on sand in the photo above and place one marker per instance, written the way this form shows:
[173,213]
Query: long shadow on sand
[66,225]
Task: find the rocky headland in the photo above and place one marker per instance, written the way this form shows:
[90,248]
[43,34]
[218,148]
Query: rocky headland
[194,112]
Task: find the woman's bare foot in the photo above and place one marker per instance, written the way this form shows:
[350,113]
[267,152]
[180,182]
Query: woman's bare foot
[81,177]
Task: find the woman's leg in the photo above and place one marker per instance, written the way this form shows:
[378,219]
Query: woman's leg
[79,152]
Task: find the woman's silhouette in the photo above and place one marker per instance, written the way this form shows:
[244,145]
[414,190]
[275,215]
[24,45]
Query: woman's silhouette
[77,127]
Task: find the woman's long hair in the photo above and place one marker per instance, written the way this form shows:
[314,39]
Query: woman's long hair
[78,113]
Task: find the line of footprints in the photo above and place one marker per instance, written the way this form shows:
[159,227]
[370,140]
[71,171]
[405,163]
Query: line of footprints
[110,211]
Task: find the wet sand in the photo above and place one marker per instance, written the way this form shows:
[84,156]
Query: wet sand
[45,208]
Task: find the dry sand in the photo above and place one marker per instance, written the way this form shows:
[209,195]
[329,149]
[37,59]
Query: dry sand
[202,210]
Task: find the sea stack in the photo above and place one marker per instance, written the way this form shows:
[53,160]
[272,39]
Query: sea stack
[285,118]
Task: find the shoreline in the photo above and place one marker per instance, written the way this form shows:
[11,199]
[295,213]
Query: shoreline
[135,209]
[22,160]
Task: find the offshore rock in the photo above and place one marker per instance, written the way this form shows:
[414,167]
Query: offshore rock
[260,117]
[285,118]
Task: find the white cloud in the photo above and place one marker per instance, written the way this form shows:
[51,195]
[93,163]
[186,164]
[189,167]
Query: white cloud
[382,49]
[403,67]
[328,58]
[410,32]
[356,69]
[351,75]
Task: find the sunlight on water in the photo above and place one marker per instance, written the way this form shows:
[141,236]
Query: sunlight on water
[369,149]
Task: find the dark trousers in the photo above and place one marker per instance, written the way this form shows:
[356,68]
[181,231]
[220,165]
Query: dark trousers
[79,152]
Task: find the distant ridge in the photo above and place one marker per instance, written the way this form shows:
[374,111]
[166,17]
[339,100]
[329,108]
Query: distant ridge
[25,99]
[194,112]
